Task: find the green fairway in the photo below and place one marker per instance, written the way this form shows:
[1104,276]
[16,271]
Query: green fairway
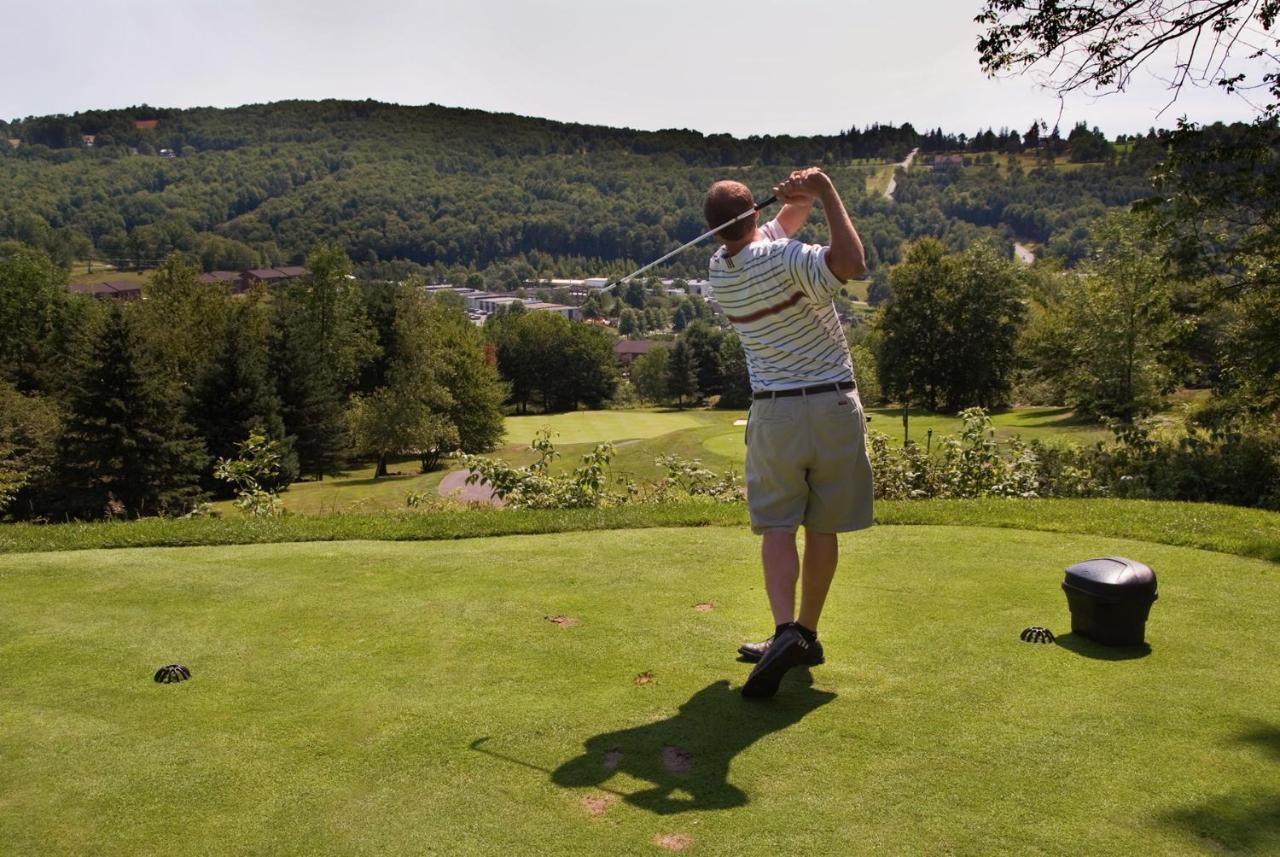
[412,698]
[600,426]
[642,435]
[1046,424]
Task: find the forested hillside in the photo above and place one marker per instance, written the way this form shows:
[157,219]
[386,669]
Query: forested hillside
[449,189]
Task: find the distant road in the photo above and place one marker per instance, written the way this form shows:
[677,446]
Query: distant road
[893,180]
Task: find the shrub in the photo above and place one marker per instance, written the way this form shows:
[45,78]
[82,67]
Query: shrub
[257,466]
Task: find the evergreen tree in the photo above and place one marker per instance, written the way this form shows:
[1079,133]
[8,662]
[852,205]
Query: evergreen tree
[237,394]
[703,341]
[126,450]
[310,398]
[735,387]
[682,374]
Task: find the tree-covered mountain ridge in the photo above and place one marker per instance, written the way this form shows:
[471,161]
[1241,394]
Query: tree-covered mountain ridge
[453,188]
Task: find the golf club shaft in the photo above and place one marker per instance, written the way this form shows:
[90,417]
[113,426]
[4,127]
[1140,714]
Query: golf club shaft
[703,237]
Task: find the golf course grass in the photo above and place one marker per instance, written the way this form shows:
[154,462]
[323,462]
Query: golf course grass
[640,437]
[413,698]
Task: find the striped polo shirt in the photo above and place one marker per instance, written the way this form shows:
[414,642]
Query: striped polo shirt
[777,293]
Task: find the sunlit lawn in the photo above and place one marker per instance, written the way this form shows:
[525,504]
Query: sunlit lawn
[413,698]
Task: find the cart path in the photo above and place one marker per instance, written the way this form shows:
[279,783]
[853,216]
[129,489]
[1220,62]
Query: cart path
[454,486]
[893,180]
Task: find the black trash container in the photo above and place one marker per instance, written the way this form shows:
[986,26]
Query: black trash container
[1110,599]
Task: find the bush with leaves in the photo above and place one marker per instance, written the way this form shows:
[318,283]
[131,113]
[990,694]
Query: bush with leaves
[533,486]
[689,478]
[257,465]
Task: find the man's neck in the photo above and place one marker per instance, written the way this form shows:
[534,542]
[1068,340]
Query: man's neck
[733,248]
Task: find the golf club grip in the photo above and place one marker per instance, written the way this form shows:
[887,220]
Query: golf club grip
[766,203]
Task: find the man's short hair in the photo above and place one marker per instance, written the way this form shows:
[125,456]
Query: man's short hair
[725,200]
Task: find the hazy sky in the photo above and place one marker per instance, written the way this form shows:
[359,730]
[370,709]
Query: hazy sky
[767,67]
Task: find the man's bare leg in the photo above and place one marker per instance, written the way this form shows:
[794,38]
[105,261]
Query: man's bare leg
[781,571]
[821,554]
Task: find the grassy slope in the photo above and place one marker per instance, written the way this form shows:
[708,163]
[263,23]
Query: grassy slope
[337,689]
[641,436]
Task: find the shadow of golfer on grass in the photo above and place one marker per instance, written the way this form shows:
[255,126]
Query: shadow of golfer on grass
[687,756]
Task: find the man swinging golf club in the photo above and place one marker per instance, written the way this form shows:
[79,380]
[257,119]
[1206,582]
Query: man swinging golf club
[807,461]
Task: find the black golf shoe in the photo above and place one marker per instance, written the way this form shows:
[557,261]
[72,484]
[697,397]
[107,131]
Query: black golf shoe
[788,649]
[755,651]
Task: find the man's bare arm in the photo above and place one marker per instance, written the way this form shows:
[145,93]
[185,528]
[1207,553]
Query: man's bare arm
[794,215]
[845,257]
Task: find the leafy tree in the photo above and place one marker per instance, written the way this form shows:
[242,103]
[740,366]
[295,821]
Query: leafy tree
[1217,221]
[546,356]
[397,421]
[1099,44]
[335,322]
[126,450]
[29,427]
[182,321]
[36,319]
[627,324]
[948,336]
[1116,326]
[682,374]
[649,374]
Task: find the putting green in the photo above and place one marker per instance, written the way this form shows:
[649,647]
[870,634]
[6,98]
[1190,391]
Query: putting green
[398,698]
[601,426]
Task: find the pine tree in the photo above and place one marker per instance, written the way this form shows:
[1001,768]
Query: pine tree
[311,400]
[237,394]
[126,450]
[682,373]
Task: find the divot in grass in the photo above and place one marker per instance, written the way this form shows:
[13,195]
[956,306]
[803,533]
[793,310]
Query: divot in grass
[677,760]
[612,759]
[673,841]
[596,805]
[562,621]
[705,606]
[644,678]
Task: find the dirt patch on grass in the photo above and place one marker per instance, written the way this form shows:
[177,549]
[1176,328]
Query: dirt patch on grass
[677,760]
[644,678]
[562,621]
[596,805]
[673,841]
[705,606]
[612,759]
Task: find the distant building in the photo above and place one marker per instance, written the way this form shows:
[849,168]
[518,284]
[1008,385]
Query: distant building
[119,290]
[13,142]
[948,160]
[701,288]
[88,139]
[226,278]
[272,276]
[146,124]
[168,153]
[628,350]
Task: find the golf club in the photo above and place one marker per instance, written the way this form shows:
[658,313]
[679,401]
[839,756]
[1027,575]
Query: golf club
[704,236]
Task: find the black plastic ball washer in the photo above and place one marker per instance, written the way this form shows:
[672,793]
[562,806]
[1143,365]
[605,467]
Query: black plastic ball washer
[170,673]
[1037,634]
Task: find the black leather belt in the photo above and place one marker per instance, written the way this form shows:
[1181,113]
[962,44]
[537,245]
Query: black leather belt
[806,391]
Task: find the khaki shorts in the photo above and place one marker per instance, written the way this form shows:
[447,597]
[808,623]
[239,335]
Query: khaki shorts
[807,464]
